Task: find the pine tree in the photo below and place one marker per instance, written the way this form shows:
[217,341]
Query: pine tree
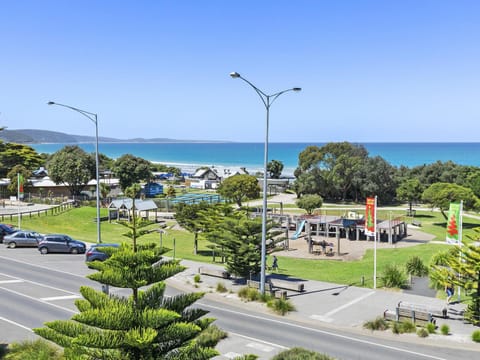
[460,266]
[145,325]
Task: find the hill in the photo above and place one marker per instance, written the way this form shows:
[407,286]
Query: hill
[33,136]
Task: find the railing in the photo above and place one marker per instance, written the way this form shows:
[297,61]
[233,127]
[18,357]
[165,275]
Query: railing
[53,209]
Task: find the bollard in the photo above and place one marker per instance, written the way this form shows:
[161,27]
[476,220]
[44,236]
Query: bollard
[362,281]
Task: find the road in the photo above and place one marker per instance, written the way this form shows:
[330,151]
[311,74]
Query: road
[36,288]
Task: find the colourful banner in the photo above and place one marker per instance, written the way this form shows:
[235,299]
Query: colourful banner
[20,186]
[454,223]
[370,217]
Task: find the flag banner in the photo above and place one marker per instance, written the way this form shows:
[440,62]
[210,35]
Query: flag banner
[370,217]
[20,186]
[454,223]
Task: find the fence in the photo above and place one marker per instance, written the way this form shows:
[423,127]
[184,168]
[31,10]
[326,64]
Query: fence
[53,209]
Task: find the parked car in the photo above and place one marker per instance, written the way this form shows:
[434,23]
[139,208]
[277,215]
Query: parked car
[6,230]
[95,252]
[59,243]
[22,238]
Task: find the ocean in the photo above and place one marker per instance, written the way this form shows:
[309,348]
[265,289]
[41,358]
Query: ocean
[190,156]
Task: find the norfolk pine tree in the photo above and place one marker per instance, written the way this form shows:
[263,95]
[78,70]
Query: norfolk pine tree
[145,325]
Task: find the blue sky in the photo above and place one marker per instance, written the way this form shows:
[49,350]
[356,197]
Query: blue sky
[370,70]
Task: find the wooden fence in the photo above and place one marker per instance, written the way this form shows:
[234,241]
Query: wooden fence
[54,209]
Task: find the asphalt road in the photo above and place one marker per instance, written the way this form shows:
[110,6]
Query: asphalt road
[36,288]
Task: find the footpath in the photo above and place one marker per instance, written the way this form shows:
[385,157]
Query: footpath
[338,306]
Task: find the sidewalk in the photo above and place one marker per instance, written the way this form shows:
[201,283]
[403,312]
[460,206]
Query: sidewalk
[339,306]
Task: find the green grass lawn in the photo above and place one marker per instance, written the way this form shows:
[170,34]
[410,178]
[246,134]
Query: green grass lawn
[79,223]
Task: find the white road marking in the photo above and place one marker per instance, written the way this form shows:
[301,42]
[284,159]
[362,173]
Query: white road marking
[39,300]
[232,355]
[42,267]
[368,342]
[16,324]
[44,285]
[258,340]
[66,297]
[344,306]
[10,281]
[261,347]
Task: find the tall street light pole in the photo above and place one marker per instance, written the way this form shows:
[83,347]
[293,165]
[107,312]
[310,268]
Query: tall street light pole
[267,100]
[93,118]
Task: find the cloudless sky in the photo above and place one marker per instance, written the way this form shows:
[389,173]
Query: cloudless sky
[370,70]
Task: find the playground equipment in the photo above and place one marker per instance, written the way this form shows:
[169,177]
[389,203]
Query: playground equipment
[299,230]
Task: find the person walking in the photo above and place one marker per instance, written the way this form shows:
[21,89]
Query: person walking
[449,290]
[275,263]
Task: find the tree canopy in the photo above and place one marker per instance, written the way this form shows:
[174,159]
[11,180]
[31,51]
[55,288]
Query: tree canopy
[73,167]
[442,194]
[310,202]
[12,154]
[131,170]
[239,187]
[274,169]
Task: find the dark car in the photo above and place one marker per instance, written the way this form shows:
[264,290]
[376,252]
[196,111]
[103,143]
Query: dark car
[22,238]
[6,230]
[59,243]
[95,252]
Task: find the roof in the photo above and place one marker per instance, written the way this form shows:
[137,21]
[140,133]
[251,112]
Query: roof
[127,204]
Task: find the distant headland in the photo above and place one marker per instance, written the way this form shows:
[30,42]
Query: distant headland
[35,136]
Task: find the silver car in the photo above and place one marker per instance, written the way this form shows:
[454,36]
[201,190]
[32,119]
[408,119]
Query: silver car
[22,238]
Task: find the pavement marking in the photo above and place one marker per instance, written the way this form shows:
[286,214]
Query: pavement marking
[258,340]
[39,300]
[367,342]
[66,297]
[321,318]
[261,347]
[43,285]
[232,355]
[11,281]
[42,267]
[344,306]
[16,324]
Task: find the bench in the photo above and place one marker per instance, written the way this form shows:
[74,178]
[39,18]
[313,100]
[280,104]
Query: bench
[441,312]
[288,285]
[416,316]
[214,272]
[278,294]
[256,285]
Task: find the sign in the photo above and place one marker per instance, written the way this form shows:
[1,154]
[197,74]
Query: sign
[454,223]
[370,217]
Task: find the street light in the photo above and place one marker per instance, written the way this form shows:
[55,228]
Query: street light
[92,117]
[267,100]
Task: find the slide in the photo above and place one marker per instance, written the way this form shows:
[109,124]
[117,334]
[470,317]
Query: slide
[299,231]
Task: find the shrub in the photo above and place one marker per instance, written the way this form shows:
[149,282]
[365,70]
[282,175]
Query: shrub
[247,357]
[196,278]
[408,326]
[401,327]
[298,353]
[445,329]
[416,267]
[249,294]
[221,287]
[476,336]
[33,350]
[431,327]
[396,328]
[210,336]
[393,276]
[422,332]
[378,324]
[280,306]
